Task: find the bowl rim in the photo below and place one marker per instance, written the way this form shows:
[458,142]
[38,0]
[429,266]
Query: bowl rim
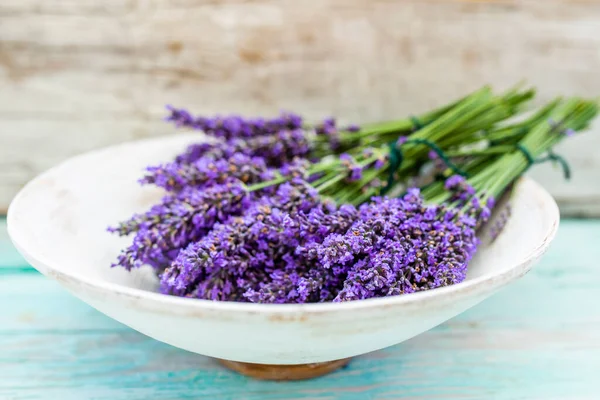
[18,237]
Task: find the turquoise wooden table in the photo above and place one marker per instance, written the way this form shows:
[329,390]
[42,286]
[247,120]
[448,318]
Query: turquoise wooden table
[538,339]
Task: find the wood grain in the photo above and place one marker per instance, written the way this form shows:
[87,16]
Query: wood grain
[538,339]
[76,75]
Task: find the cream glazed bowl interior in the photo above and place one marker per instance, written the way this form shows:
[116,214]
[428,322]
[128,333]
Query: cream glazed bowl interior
[58,222]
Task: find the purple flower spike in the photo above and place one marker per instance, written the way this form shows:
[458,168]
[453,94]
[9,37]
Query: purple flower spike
[500,222]
[355,173]
[379,163]
[178,220]
[234,126]
[207,171]
[454,181]
[353,128]
[569,132]
[276,150]
[346,157]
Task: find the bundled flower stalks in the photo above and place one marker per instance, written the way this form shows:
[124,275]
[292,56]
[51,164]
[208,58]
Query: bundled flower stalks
[250,158]
[377,166]
[496,170]
[236,228]
[279,140]
[205,164]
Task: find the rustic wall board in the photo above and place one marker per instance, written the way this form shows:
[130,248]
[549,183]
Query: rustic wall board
[76,75]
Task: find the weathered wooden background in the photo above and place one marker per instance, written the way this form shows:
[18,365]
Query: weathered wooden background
[80,74]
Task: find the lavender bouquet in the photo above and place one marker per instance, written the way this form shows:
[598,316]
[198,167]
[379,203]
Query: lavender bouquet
[205,181]
[242,224]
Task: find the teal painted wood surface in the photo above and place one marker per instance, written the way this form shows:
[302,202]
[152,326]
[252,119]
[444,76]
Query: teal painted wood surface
[538,339]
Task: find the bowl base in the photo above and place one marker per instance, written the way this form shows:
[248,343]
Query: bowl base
[284,372]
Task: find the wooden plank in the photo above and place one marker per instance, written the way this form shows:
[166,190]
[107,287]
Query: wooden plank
[78,75]
[536,339]
[35,304]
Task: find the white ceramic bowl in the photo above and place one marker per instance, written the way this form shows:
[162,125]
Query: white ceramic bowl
[58,222]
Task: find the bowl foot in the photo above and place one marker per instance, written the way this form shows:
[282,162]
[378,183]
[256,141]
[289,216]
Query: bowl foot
[284,372]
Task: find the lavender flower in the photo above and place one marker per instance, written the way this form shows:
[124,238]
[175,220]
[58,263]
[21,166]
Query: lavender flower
[208,171]
[280,148]
[234,126]
[569,132]
[178,220]
[355,173]
[278,140]
[198,150]
[353,128]
[461,191]
[354,169]
[276,149]
[500,222]
[330,129]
